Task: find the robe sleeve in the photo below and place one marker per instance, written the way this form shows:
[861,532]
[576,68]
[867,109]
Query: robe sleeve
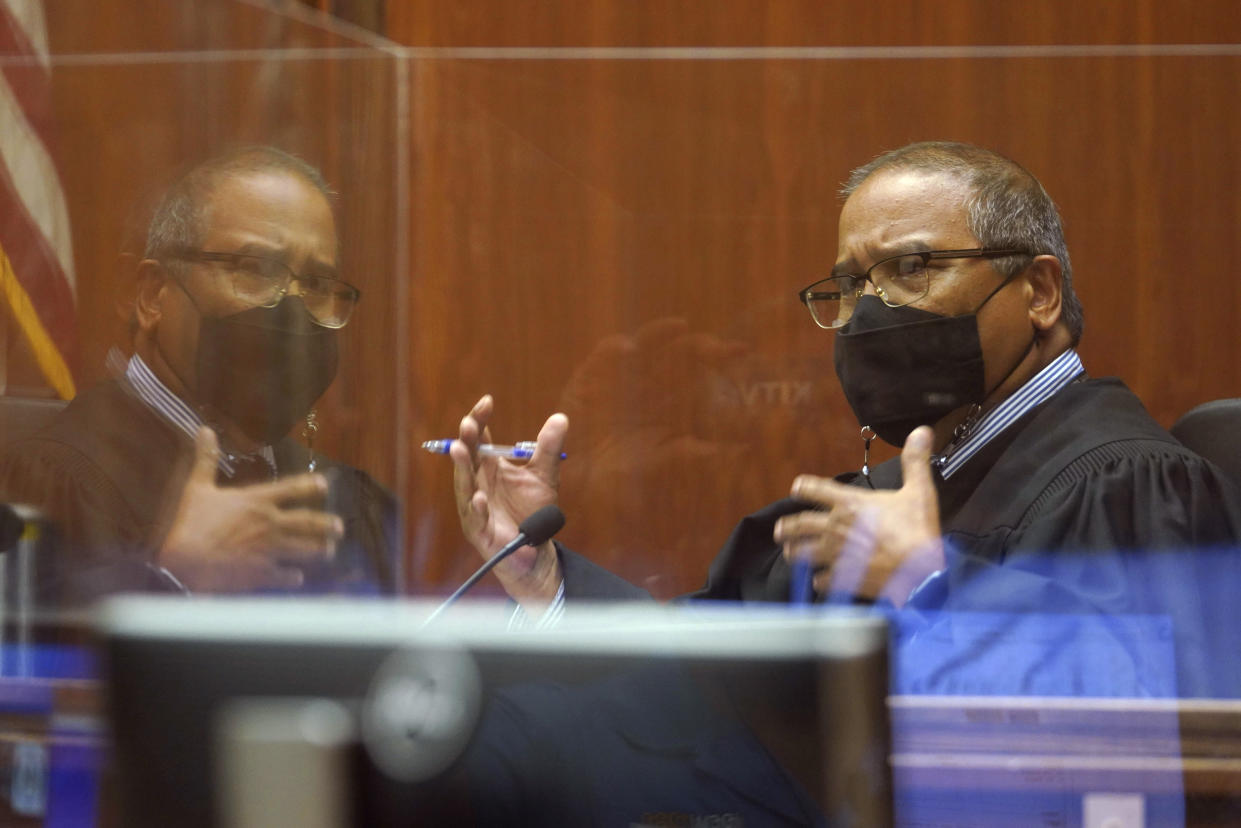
[585,580]
[1138,548]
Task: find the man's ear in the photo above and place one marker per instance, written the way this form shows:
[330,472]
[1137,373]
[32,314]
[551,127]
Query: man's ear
[149,296]
[1044,275]
[124,286]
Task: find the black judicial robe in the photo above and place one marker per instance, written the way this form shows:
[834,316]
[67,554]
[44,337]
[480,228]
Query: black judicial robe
[1085,505]
[1088,470]
[109,471]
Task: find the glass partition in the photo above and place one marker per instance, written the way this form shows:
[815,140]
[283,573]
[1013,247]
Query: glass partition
[622,233]
[618,234]
[107,107]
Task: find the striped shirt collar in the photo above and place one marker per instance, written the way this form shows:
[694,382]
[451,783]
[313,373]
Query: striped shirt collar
[175,410]
[1056,375]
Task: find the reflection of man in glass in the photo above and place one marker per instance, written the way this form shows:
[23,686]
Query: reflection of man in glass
[179,474]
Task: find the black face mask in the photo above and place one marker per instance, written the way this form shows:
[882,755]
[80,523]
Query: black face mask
[264,368]
[904,367]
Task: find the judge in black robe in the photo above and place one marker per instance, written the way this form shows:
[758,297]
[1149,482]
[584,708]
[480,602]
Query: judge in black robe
[109,470]
[955,326]
[1085,506]
[236,315]
[1088,471]
[1080,551]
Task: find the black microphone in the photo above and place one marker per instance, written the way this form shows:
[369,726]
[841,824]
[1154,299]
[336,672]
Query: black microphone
[535,530]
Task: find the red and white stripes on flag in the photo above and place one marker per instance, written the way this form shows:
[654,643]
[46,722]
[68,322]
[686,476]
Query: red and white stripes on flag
[36,251]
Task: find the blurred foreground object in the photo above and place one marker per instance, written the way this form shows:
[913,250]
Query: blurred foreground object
[622,713]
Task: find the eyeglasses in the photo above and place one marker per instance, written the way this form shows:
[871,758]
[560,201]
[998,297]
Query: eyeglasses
[899,280]
[262,282]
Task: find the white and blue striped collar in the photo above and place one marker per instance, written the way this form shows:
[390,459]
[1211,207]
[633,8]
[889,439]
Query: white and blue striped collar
[1056,375]
[175,410]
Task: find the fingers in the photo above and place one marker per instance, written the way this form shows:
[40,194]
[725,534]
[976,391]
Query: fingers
[823,491]
[831,542]
[307,534]
[851,564]
[463,483]
[916,459]
[472,430]
[812,536]
[464,452]
[301,488]
[474,424]
[868,542]
[549,444]
[478,505]
[802,525]
[206,456]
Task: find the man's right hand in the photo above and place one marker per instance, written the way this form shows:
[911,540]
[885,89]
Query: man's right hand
[246,537]
[495,494]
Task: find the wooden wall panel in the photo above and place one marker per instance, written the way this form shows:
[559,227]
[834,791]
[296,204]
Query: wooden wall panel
[657,23]
[622,238]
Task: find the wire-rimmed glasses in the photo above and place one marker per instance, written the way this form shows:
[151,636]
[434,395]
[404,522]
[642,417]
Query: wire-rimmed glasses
[898,280]
[261,281]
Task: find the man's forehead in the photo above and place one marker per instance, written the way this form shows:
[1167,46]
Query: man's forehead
[902,210]
[912,188]
[273,209]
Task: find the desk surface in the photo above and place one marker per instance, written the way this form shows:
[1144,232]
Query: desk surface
[952,752]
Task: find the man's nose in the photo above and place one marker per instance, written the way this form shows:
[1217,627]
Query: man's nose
[295,288]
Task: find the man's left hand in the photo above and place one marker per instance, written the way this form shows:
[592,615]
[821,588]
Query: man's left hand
[867,543]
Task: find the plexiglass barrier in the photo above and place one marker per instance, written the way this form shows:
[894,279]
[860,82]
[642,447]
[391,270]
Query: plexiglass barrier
[618,234]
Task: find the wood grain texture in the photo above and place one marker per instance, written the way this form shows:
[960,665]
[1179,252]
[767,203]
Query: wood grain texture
[808,23]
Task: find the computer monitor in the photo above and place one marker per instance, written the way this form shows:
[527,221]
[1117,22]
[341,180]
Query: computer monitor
[623,714]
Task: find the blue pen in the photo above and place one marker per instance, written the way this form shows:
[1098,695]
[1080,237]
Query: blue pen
[521,451]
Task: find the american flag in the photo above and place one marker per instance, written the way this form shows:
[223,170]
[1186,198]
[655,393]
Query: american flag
[36,251]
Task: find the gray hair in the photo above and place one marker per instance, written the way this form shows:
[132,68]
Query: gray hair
[1007,207]
[180,219]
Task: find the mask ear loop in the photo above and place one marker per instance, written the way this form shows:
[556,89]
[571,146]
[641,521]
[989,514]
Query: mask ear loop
[868,434]
[966,426]
[308,433]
